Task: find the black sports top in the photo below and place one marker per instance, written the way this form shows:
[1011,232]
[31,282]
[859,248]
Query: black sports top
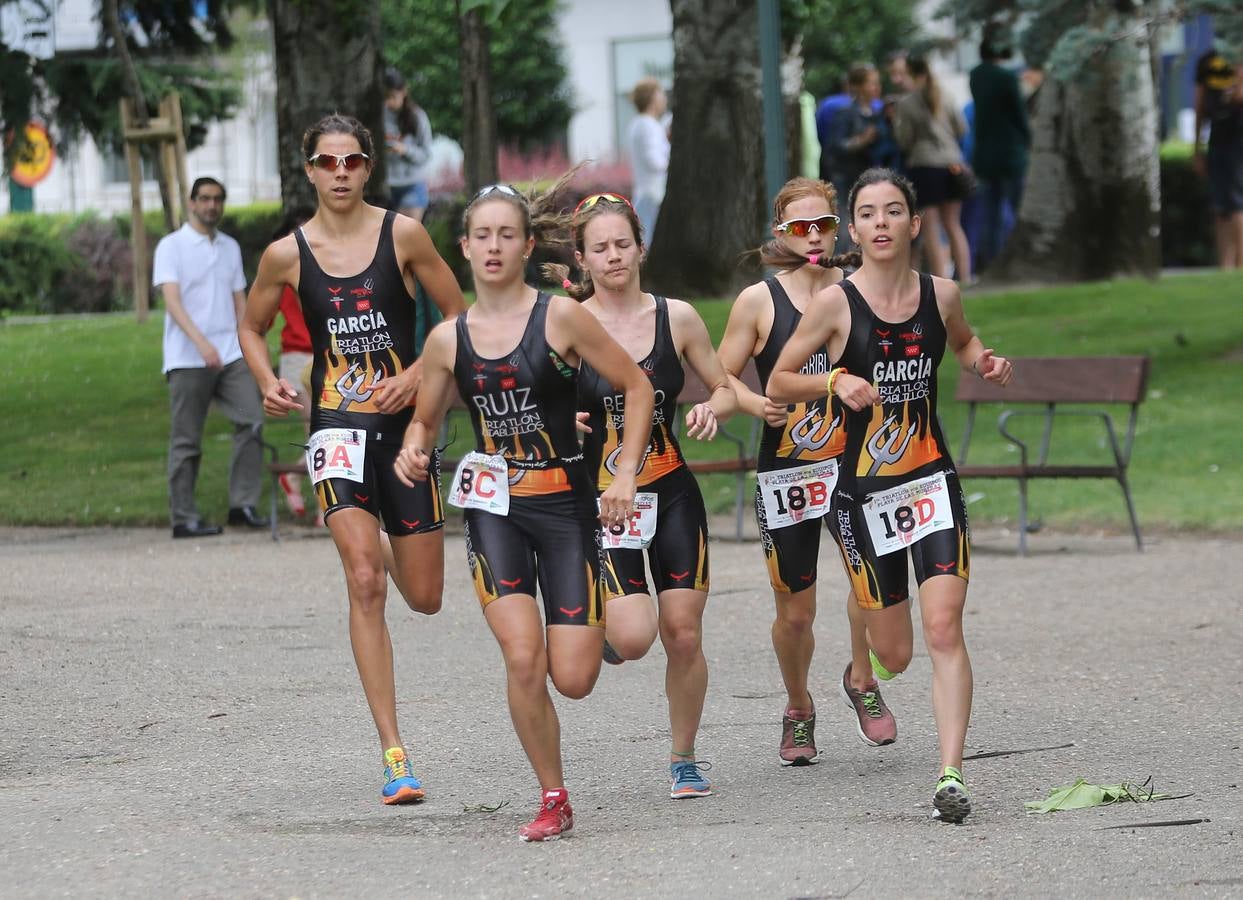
[362,329]
[663,368]
[807,435]
[522,406]
[900,439]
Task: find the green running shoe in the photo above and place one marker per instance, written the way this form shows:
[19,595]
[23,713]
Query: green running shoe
[951,800]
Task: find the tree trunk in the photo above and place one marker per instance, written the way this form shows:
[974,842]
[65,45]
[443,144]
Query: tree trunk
[1092,200]
[327,60]
[478,114]
[714,200]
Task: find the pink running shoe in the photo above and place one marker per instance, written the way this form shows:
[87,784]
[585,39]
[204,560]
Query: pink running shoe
[798,738]
[555,818]
[875,723]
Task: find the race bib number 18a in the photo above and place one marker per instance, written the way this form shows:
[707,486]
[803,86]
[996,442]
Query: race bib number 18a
[636,532]
[481,482]
[336,453]
[900,516]
[795,495]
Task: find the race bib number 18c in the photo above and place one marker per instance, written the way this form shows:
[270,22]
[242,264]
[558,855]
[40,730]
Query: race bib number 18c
[481,482]
[336,453]
[900,516]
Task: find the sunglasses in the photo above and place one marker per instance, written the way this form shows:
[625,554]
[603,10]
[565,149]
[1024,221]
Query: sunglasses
[589,202]
[803,227]
[497,188]
[330,161]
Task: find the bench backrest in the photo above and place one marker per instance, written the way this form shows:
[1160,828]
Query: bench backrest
[1062,379]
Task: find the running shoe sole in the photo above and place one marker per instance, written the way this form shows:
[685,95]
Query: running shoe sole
[552,837]
[841,688]
[801,761]
[952,803]
[690,794]
[404,795]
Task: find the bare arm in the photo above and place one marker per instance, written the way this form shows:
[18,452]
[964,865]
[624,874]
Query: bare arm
[277,267]
[962,340]
[738,346]
[439,355]
[172,302]
[588,340]
[696,347]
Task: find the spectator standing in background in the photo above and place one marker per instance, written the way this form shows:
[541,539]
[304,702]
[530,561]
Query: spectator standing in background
[1002,138]
[1219,104]
[856,131]
[198,271]
[928,128]
[648,144]
[826,113]
[408,140]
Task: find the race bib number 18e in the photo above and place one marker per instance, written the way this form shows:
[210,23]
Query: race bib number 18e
[481,482]
[636,532]
[900,516]
[795,495]
[336,453]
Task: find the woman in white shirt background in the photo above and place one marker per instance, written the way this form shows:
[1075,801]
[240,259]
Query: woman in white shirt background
[648,144]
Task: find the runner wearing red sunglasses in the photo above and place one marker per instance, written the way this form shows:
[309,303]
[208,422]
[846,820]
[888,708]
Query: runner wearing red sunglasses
[797,461]
[354,268]
[888,327]
[530,505]
[662,335]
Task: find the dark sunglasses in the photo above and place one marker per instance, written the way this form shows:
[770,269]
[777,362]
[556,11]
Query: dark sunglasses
[803,227]
[329,161]
[589,202]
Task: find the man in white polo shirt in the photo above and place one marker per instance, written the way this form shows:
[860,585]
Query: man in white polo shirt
[199,272]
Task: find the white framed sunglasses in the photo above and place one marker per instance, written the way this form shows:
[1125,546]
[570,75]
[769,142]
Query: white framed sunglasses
[803,227]
[497,188]
[330,161]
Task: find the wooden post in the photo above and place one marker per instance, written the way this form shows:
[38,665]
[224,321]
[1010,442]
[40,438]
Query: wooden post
[138,230]
[179,148]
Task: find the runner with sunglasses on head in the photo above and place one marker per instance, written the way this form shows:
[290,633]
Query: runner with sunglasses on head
[797,462]
[355,268]
[670,521]
[529,500]
[888,327]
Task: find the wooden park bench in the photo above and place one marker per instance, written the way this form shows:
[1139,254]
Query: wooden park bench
[739,464]
[1054,383]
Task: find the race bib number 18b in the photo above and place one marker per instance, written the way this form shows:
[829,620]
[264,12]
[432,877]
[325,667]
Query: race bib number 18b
[481,482]
[900,516]
[336,453]
[795,495]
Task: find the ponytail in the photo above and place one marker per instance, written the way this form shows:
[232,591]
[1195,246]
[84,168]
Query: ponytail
[778,256]
[560,273]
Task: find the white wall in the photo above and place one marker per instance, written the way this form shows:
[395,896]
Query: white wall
[588,30]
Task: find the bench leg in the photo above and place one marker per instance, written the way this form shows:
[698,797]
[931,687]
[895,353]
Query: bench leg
[1022,517]
[1130,511]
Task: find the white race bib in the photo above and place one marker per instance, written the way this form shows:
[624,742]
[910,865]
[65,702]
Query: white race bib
[481,482]
[336,453]
[635,533]
[795,495]
[900,516]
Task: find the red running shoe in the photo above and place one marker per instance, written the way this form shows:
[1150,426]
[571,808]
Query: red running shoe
[555,818]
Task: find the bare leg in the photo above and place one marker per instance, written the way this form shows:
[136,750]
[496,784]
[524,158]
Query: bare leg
[417,564]
[941,601]
[930,238]
[686,669]
[960,249]
[355,534]
[1236,239]
[630,625]
[795,643]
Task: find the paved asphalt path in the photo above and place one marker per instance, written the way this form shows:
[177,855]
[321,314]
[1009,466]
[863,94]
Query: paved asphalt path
[184,719]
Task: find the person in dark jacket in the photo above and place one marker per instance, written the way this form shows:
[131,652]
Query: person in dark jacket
[1002,138]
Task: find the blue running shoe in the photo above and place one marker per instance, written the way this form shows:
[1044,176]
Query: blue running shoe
[688,780]
[400,785]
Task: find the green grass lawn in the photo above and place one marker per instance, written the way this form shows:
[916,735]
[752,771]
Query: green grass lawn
[86,412]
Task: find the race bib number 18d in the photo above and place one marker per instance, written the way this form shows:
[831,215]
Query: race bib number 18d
[481,482]
[336,453]
[900,516]
[636,532]
[795,495]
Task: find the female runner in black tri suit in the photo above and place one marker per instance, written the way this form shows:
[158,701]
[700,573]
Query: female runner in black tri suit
[529,500]
[796,461]
[364,378]
[887,327]
[670,522]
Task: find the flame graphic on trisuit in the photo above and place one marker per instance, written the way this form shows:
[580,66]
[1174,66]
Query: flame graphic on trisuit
[350,385]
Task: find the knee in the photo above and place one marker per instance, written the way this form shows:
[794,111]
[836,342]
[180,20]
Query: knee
[575,684]
[526,668]
[895,657]
[682,639]
[795,615]
[425,596]
[943,634]
[368,586]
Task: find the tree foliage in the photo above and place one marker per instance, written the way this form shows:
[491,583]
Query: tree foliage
[838,33]
[529,83]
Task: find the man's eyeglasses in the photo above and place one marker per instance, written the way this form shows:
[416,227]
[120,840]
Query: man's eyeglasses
[592,200]
[330,161]
[497,188]
[803,227]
